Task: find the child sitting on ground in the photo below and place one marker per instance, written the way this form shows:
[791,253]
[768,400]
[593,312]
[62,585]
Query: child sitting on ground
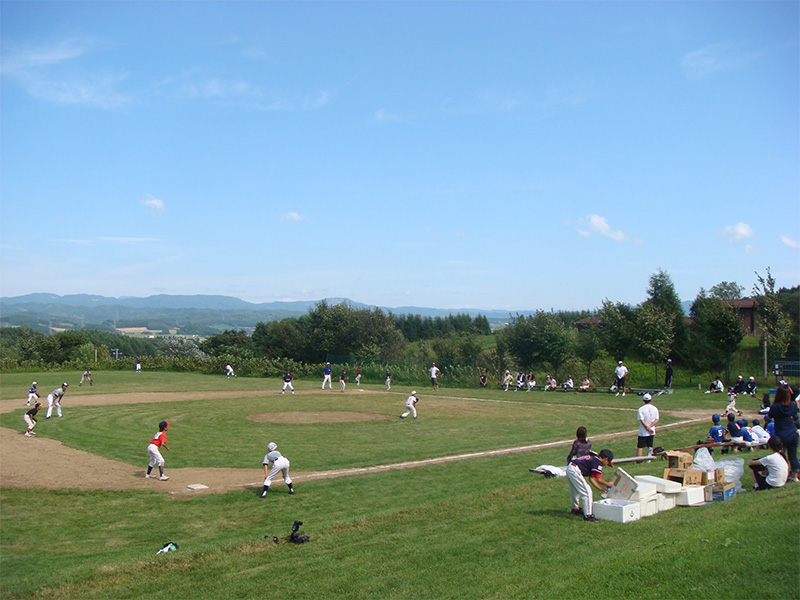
[716,435]
[764,408]
[761,435]
[581,446]
[735,431]
[772,471]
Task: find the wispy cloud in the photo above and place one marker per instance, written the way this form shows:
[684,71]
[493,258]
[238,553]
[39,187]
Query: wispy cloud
[293,216]
[790,242]
[155,205]
[592,224]
[736,233]
[713,58]
[53,73]
[130,240]
[382,115]
[239,91]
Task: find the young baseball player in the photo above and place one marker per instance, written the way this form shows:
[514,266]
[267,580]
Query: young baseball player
[411,406]
[435,376]
[716,434]
[279,464]
[358,376]
[229,371]
[287,382]
[159,441]
[54,399]
[388,380]
[731,408]
[30,419]
[33,394]
[343,380]
[579,470]
[326,376]
[87,376]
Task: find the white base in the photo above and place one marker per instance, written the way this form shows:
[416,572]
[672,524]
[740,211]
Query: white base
[197,486]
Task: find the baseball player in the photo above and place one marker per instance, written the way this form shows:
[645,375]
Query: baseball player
[326,376]
[30,419]
[411,406]
[54,399]
[358,376]
[138,365]
[159,440]
[87,376]
[229,371]
[33,394]
[579,469]
[343,379]
[280,464]
[287,382]
[388,380]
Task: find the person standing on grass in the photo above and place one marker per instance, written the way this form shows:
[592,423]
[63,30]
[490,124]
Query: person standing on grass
[579,470]
[783,413]
[153,451]
[483,380]
[138,365]
[33,394]
[388,380]
[648,417]
[54,399]
[30,419]
[342,380]
[326,376]
[772,471]
[620,373]
[581,446]
[358,376]
[668,374]
[279,464]
[435,376]
[287,382]
[87,376]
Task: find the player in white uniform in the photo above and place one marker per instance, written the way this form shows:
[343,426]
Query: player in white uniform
[621,371]
[87,376]
[229,371]
[287,382]
[54,399]
[33,394]
[279,464]
[411,408]
[388,380]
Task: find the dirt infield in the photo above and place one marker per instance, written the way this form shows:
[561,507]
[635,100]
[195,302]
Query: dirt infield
[46,463]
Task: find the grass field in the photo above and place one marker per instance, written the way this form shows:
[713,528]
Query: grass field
[478,528]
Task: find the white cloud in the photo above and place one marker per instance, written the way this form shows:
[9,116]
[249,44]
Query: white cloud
[129,240]
[293,216]
[790,242]
[711,59]
[42,72]
[597,224]
[155,205]
[738,232]
[459,234]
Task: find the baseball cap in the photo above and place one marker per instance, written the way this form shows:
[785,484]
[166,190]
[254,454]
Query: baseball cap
[606,453]
[34,383]
[740,377]
[647,397]
[715,418]
[756,422]
[65,384]
[413,393]
[752,379]
[164,425]
[272,446]
[619,363]
[741,423]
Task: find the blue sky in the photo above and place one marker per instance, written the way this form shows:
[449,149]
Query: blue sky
[504,155]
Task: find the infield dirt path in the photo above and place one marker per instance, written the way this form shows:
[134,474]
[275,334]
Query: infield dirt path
[40,462]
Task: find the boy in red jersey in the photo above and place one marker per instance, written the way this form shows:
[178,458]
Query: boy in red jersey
[159,440]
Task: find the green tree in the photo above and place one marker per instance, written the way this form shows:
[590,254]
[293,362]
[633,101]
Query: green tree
[278,339]
[715,334]
[588,347]
[661,292]
[653,333]
[774,322]
[538,339]
[726,290]
[616,331]
[228,343]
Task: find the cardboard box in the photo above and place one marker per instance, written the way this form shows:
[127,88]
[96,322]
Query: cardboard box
[709,477]
[684,476]
[679,460]
[648,506]
[719,492]
[691,496]
[662,485]
[719,475]
[620,511]
[667,501]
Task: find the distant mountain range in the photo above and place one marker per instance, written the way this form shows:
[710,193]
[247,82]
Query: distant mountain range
[198,314]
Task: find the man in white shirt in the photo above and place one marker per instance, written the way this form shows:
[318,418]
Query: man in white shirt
[620,372]
[648,417]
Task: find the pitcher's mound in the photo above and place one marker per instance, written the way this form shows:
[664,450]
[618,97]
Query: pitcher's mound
[300,417]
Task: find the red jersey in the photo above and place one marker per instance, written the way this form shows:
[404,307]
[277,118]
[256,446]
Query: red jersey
[159,439]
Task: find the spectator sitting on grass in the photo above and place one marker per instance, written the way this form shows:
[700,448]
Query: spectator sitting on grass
[760,434]
[716,386]
[751,388]
[740,387]
[772,471]
[586,384]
